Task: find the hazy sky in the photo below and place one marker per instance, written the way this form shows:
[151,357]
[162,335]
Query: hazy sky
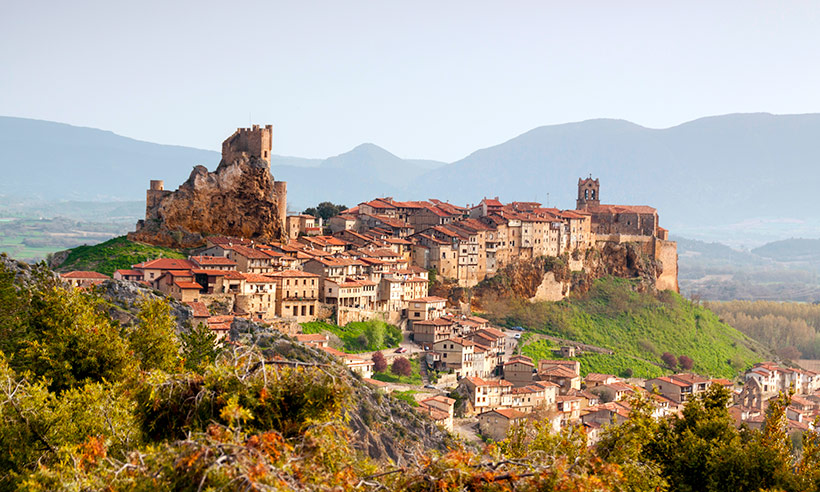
[423,79]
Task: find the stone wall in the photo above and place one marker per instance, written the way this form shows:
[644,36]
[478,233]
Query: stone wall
[666,252]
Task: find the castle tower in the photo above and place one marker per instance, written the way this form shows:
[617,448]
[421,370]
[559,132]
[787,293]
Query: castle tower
[156,192]
[249,142]
[280,189]
[588,194]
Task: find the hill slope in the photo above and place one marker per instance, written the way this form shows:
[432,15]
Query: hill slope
[639,328]
[109,256]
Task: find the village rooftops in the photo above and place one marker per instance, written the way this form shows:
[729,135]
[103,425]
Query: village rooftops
[477,381]
[310,337]
[250,253]
[212,273]
[129,273]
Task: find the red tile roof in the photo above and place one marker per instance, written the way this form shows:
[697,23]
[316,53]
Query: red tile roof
[199,309]
[293,274]
[165,264]
[85,275]
[212,261]
[188,285]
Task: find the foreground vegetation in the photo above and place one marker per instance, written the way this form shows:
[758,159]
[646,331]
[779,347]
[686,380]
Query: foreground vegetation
[91,404]
[638,327]
[359,336]
[114,254]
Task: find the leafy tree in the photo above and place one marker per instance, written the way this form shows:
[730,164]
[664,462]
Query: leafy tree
[669,359]
[199,347]
[379,362]
[325,210]
[153,339]
[374,332]
[401,367]
[68,340]
[685,363]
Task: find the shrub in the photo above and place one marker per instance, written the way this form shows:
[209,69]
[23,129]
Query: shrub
[669,359]
[685,362]
[401,367]
[379,362]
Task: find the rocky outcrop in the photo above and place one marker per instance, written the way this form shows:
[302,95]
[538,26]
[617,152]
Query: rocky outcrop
[382,427]
[238,199]
[552,279]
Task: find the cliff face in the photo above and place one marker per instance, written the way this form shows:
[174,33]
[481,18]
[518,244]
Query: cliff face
[238,199]
[552,279]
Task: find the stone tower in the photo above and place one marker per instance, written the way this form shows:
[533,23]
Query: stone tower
[588,194]
[156,192]
[251,142]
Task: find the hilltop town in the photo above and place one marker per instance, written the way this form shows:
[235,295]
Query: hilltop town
[378,261]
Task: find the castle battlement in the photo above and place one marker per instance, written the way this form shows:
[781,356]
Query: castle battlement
[255,141]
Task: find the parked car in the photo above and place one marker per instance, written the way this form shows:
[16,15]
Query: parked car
[400,350]
[517,328]
[430,387]
[517,335]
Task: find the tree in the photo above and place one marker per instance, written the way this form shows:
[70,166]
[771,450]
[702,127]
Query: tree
[669,359]
[401,367]
[685,362]
[379,362]
[153,339]
[199,347]
[374,331]
[325,210]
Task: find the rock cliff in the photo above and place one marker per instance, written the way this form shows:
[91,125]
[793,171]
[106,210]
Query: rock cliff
[552,279]
[238,199]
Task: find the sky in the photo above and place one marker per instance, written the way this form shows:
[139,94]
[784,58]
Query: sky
[423,79]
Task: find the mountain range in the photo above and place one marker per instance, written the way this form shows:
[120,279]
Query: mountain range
[740,178]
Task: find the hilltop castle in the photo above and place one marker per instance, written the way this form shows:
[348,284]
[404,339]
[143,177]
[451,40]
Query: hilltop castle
[240,198]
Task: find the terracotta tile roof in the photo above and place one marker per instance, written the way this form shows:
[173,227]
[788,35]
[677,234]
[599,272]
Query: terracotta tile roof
[188,285]
[375,382]
[212,273]
[165,264]
[599,378]
[256,278]
[620,209]
[85,275]
[250,253]
[199,309]
[559,371]
[234,275]
[293,274]
[212,261]
[510,414]
[477,381]
[129,273]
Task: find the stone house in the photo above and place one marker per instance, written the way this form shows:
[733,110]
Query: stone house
[496,423]
[456,354]
[360,294]
[570,408]
[428,332]
[440,408]
[519,370]
[258,297]
[357,364]
[250,260]
[297,295]
[126,274]
[485,395]
[563,376]
[79,278]
[213,262]
[679,388]
[153,269]
[425,308]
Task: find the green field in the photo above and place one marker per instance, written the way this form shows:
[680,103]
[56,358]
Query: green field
[617,364]
[413,379]
[359,336]
[638,327]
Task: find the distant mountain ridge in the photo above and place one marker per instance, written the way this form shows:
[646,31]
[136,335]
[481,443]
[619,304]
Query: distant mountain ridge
[56,161]
[737,178]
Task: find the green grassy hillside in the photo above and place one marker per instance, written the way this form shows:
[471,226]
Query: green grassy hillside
[638,327]
[112,255]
